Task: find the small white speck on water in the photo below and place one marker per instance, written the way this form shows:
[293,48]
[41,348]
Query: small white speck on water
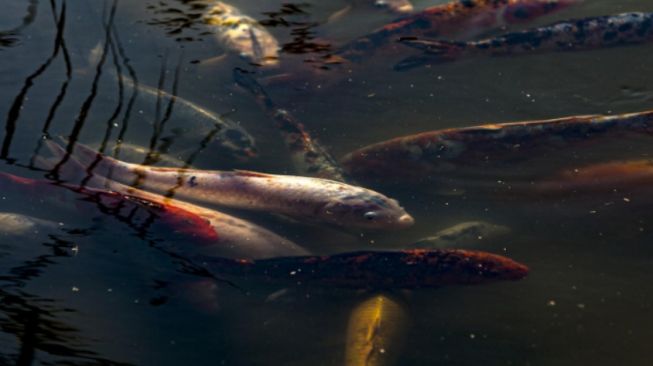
[626,199]
[581,306]
[382,350]
[109,290]
[75,289]
[551,303]
[292,273]
[472,336]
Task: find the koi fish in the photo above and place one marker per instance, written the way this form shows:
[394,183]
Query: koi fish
[229,135]
[461,234]
[611,177]
[243,35]
[457,18]
[375,332]
[237,238]
[428,154]
[409,269]
[302,197]
[571,35]
[309,157]
[123,206]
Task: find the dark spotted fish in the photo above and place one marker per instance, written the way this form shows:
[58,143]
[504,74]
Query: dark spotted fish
[409,269]
[572,35]
[427,155]
[463,18]
[308,156]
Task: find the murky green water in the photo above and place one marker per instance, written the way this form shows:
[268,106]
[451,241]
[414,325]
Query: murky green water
[92,291]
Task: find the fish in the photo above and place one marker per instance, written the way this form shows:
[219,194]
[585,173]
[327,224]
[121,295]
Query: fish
[305,198]
[460,235]
[375,332]
[200,122]
[236,237]
[135,153]
[242,34]
[428,155]
[570,35]
[378,270]
[309,157]
[462,18]
[15,224]
[136,209]
[612,176]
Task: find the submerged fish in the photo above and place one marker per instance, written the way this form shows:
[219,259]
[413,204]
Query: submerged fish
[242,34]
[462,18]
[138,211]
[462,234]
[200,122]
[408,269]
[235,237]
[308,156]
[15,224]
[614,176]
[375,332]
[136,154]
[427,155]
[305,198]
[571,35]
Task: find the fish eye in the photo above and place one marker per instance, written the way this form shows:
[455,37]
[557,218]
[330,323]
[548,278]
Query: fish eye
[371,215]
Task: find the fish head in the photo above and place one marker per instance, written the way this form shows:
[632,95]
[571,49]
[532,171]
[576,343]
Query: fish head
[367,210]
[238,142]
[521,11]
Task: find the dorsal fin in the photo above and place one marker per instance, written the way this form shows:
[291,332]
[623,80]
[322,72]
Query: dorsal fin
[249,173]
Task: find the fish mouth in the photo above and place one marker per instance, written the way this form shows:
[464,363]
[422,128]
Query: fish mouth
[405,221]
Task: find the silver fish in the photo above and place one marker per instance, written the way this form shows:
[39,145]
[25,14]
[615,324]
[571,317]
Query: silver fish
[571,35]
[201,122]
[461,235]
[242,34]
[311,199]
[236,238]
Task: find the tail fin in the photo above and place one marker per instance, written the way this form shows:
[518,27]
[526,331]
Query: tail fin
[88,162]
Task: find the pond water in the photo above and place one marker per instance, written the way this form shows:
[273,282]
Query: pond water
[89,288]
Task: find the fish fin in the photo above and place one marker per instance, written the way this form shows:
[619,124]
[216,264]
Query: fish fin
[446,50]
[211,61]
[249,173]
[339,14]
[412,62]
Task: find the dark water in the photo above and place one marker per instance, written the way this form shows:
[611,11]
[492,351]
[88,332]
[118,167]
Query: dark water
[93,290]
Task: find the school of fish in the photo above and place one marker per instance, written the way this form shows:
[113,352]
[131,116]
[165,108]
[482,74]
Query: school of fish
[326,191]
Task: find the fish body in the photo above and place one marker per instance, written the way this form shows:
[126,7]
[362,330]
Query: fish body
[236,237]
[14,224]
[409,269]
[428,154]
[242,34]
[305,198]
[375,332]
[137,210]
[200,122]
[613,176]
[465,18]
[462,234]
[309,157]
[571,35]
